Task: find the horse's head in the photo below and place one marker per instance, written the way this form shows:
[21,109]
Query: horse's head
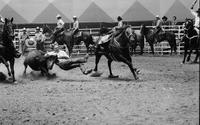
[189,24]
[8,28]
[129,34]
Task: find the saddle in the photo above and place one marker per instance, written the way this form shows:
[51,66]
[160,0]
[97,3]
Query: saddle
[78,34]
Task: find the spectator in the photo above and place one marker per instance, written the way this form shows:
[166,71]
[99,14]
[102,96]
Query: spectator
[39,38]
[174,22]
[165,21]
[23,37]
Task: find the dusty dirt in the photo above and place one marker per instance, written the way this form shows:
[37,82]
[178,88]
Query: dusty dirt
[166,94]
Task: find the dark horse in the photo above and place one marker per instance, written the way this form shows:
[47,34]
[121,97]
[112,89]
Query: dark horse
[191,41]
[139,40]
[67,38]
[117,49]
[152,38]
[7,51]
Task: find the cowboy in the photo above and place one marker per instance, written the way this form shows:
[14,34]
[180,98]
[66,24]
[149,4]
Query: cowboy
[60,25]
[196,14]
[158,27]
[75,27]
[164,20]
[119,22]
[67,63]
[23,37]
[39,38]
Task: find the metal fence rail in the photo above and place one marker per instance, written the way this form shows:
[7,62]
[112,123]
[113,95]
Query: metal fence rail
[160,48]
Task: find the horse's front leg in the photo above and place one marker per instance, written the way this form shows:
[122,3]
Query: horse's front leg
[12,62]
[97,58]
[152,48]
[141,46]
[6,64]
[189,55]
[110,70]
[185,54]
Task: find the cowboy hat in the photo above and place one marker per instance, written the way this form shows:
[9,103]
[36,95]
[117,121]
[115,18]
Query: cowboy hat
[164,17]
[157,16]
[74,16]
[24,29]
[58,16]
[119,18]
[37,28]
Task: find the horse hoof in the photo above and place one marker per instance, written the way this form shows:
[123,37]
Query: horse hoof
[112,76]
[15,82]
[136,78]
[88,72]
[96,74]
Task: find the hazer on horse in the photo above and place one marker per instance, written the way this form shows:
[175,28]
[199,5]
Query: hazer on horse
[153,37]
[8,52]
[191,37]
[191,41]
[117,49]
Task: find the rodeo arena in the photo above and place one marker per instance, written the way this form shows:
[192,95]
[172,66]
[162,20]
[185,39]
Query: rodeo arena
[99,62]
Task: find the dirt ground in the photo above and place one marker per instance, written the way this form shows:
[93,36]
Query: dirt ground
[166,94]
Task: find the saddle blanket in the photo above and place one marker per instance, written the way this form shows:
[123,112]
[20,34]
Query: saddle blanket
[104,39]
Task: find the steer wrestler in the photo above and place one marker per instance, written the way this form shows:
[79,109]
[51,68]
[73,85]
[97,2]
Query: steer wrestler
[66,63]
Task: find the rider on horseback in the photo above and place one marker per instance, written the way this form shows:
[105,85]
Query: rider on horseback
[60,25]
[113,32]
[196,15]
[75,27]
[158,27]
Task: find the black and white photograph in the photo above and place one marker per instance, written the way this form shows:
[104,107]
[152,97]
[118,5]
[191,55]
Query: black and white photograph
[99,62]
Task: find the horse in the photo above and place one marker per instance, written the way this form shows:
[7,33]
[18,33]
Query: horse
[191,41]
[67,38]
[7,51]
[139,40]
[152,37]
[117,49]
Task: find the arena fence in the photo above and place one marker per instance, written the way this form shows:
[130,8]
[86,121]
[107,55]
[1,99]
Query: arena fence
[160,48]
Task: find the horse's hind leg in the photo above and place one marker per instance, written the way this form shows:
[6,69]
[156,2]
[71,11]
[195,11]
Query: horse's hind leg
[128,61]
[197,56]
[185,54]
[6,64]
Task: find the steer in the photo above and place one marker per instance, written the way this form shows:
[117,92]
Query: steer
[38,61]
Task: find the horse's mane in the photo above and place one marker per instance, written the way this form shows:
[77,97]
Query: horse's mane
[144,30]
